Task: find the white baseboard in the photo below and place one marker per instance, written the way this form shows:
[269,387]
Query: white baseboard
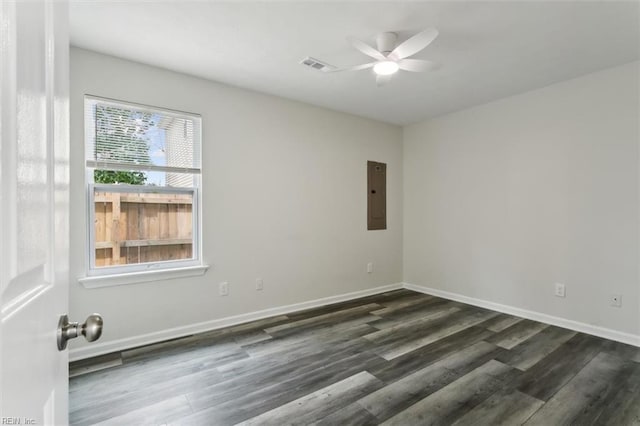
[172,333]
[606,333]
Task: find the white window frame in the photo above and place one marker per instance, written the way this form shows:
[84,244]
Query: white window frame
[141,272]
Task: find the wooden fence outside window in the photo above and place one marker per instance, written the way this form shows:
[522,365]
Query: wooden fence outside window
[135,228]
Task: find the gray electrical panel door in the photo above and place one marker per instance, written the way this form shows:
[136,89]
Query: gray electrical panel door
[376,195]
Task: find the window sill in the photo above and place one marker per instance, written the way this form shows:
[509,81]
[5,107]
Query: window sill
[142,276]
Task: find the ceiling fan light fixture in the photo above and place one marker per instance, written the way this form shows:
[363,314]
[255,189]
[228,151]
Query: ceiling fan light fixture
[386,68]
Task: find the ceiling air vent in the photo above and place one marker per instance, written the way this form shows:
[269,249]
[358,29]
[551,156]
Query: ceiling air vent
[316,64]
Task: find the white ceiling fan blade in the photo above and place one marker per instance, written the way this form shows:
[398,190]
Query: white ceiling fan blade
[414,44]
[355,68]
[381,80]
[417,65]
[366,49]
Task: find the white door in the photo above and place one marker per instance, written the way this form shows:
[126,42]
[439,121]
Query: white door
[34,210]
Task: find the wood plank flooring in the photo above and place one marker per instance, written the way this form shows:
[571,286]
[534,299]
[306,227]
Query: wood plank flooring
[397,358]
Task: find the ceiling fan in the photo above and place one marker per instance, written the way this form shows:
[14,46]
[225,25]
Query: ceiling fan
[390,58]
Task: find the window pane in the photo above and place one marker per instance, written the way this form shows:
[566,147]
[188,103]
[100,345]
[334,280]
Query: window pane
[138,227]
[131,135]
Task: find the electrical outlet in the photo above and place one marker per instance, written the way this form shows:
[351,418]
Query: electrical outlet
[259,284]
[369,267]
[615,300]
[560,290]
[224,289]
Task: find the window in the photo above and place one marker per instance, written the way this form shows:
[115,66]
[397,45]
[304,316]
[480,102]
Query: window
[143,173]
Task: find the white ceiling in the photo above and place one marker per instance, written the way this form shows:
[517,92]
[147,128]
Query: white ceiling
[488,50]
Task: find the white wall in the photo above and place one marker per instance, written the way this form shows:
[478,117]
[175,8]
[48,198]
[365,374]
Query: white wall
[284,200]
[503,200]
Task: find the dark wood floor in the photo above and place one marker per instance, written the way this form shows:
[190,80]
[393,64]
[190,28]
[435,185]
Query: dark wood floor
[399,358]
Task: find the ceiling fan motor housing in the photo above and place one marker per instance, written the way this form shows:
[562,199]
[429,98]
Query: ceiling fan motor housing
[386,42]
